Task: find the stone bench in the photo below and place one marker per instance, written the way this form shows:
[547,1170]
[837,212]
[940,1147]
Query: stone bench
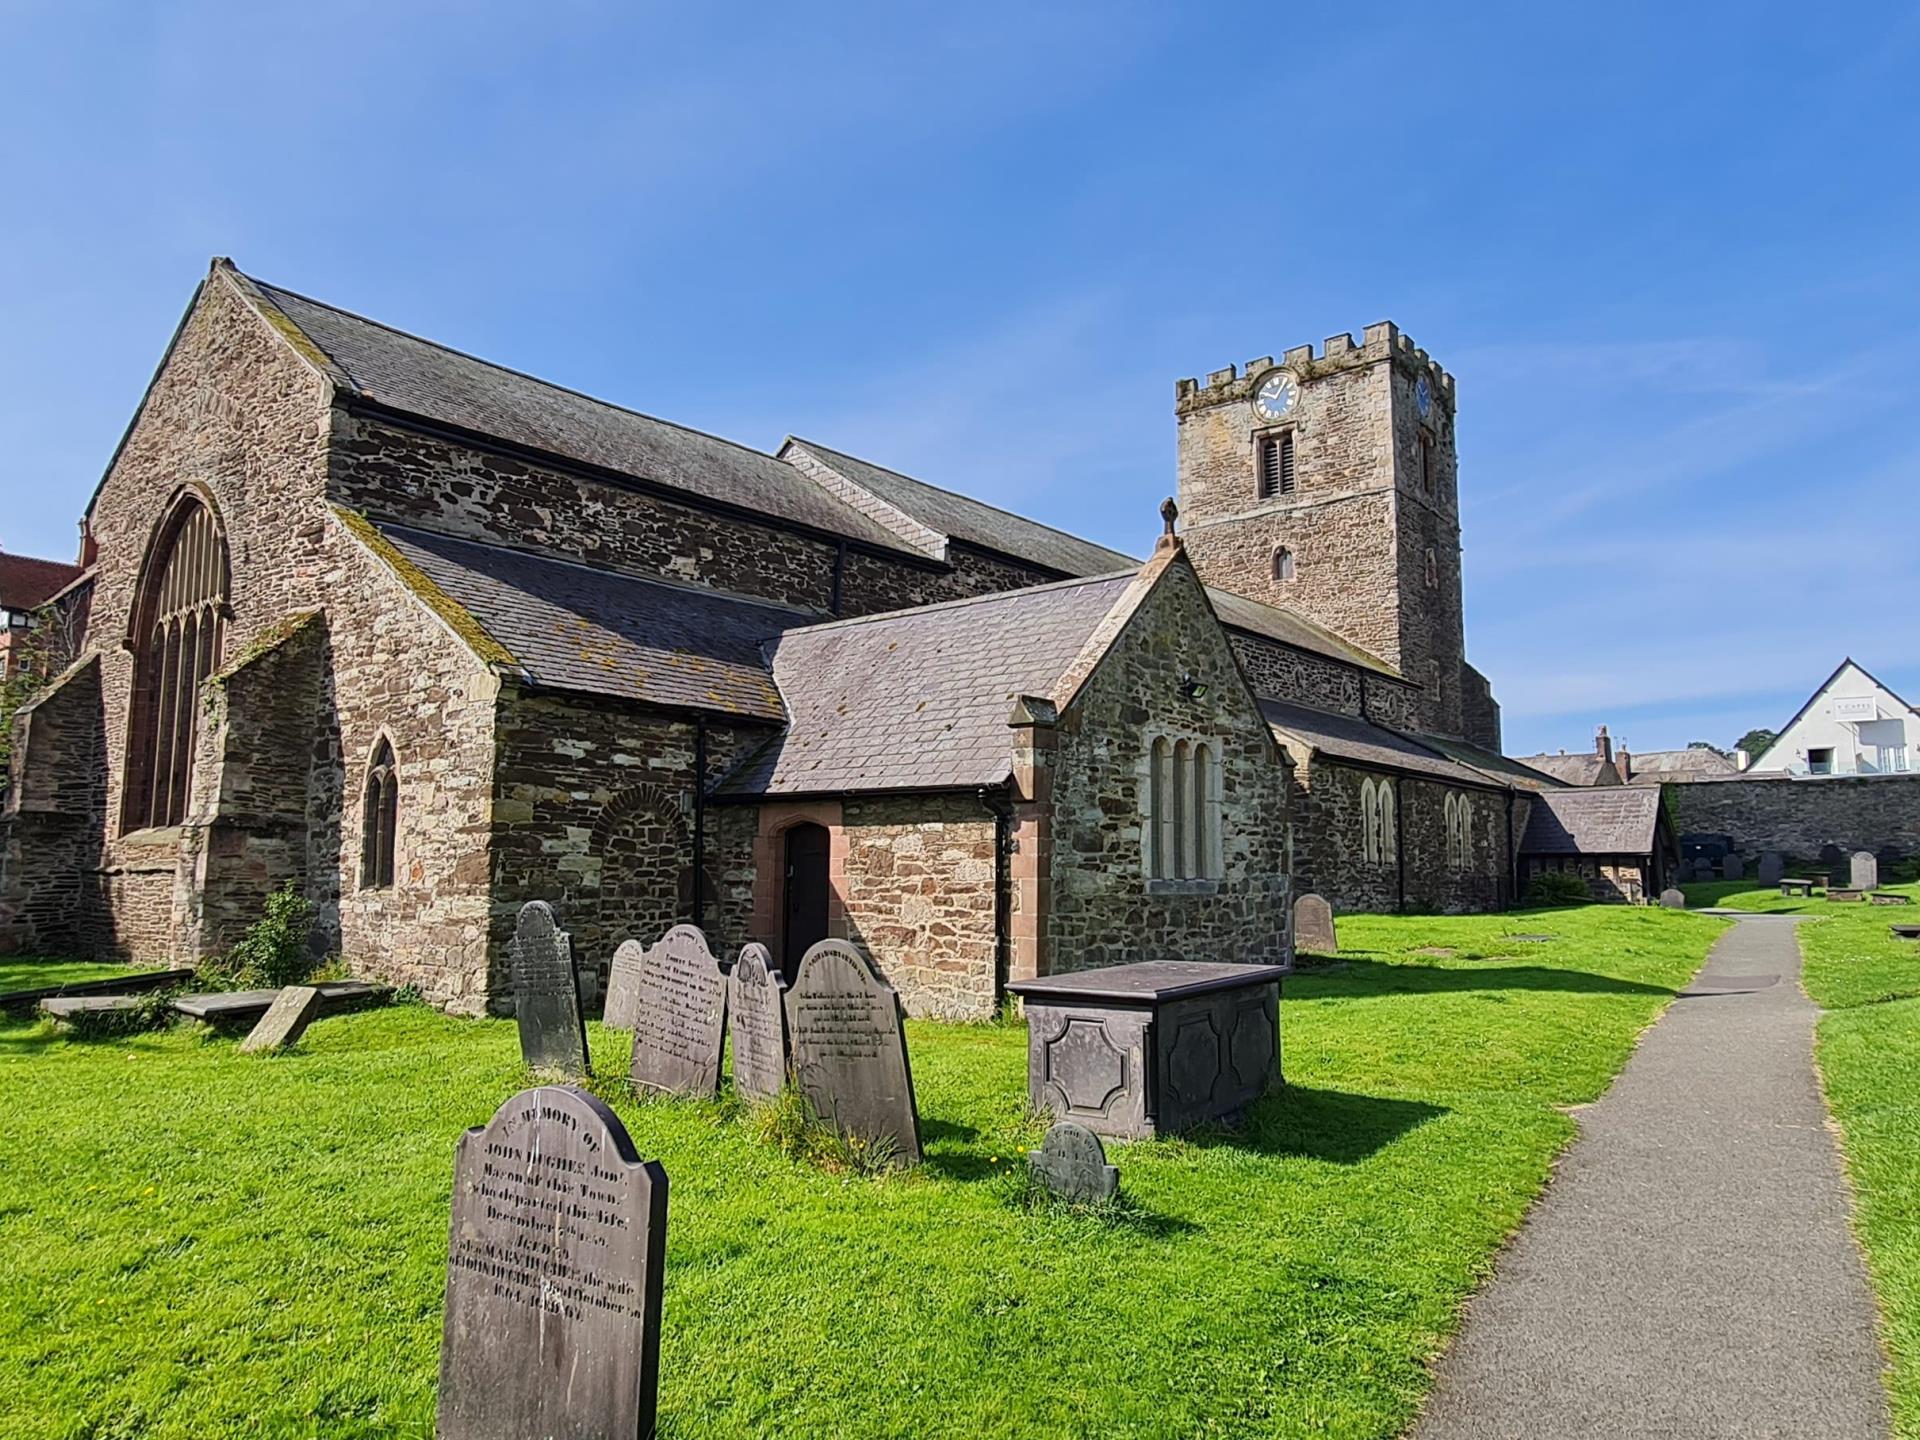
[143,983]
[1889,897]
[1798,887]
[245,1007]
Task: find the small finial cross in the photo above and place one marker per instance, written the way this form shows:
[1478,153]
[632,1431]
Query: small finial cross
[1169,512]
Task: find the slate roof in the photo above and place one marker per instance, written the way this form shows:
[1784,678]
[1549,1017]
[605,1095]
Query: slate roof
[1610,820]
[26,582]
[1289,628]
[974,522]
[1580,769]
[1503,768]
[1691,764]
[919,699]
[1346,737]
[574,627]
[405,373]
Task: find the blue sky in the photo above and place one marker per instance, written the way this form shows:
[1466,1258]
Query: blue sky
[1668,251]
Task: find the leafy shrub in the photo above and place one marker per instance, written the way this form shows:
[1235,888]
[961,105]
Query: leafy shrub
[1558,887]
[155,1009]
[274,950]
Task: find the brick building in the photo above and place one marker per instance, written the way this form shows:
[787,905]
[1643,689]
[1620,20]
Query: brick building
[430,638]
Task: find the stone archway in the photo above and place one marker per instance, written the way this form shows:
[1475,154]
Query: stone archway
[644,843]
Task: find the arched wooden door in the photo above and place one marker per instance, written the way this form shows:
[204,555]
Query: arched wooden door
[805,920]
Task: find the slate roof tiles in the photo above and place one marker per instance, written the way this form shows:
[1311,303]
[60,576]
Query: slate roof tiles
[1609,820]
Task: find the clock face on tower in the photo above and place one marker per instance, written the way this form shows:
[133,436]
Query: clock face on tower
[1275,396]
[1423,397]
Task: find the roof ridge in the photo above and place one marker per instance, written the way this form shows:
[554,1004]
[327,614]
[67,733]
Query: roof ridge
[989,596]
[496,365]
[961,495]
[681,586]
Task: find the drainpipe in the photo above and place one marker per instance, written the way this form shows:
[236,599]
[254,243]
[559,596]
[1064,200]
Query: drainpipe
[1513,860]
[1400,841]
[700,822]
[997,804]
[839,577]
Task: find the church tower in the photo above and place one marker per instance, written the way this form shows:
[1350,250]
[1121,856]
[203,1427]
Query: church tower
[1325,484]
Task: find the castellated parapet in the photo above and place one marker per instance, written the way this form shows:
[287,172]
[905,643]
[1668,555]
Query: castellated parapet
[1379,343]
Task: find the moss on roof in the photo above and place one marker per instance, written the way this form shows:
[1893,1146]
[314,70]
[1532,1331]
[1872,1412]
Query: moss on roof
[476,637]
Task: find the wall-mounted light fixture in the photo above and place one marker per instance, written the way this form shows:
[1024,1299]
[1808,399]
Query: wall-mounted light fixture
[1192,688]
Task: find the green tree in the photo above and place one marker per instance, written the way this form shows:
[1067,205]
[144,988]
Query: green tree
[1756,742]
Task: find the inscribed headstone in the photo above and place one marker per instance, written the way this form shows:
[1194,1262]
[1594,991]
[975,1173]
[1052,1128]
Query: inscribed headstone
[546,993]
[1673,899]
[679,1025]
[286,1020]
[1072,1163]
[1773,866]
[1866,870]
[555,1258]
[1313,926]
[623,985]
[757,1021]
[849,1055]
[1732,867]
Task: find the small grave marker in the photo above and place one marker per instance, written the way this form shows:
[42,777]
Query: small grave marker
[1773,866]
[1072,1163]
[623,985]
[1672,899]
[286,1020]
[1732,867]
[1313,926]
[849,1054]
[546,994]
[679,1023]
[1866,870]
[555,1259]
[757,1021]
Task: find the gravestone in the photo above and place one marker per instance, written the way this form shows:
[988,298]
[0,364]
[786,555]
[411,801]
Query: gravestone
[757,1021]
[1313,926]
[1072,1163]
[286,1020]
[1773,867]
[1866,870]
[623,985]
[1833,864]
[1672,899]
[1732,867]
[679,1023]
[554,1263]
[546,993]
[849,1056]
[1703,868]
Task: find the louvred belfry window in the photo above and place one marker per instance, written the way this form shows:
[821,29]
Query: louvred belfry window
[178,634]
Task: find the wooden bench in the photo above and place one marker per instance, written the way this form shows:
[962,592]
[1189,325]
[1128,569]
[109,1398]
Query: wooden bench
[1798,887]
[1889,897]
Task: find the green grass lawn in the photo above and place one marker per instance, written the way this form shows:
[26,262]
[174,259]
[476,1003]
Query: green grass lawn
[196,1243]
[31,974]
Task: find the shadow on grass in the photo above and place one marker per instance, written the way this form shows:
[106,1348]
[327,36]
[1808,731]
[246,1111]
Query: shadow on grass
[28,1037]
[1372,977]
[1333,1125]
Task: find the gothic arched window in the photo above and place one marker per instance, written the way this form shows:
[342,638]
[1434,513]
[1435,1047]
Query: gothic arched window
[1369,822]
[179,628]
[380,820]
[1282,564]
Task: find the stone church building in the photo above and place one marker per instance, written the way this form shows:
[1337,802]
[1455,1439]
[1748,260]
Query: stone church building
[431,638]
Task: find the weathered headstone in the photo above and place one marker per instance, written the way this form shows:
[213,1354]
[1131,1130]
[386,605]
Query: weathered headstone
[1866,870]
[1773,867]
[757,1021]
[679,1022]
[546,993]
[554,1264]
[1732,867]
[1833,864]
[1072,1163]
[286,1020]
[623,985]
[1313,926]
[1672,899]
[1702,868]
[849,1055]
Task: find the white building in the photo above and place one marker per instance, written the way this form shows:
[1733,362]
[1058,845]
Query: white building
[1852,725]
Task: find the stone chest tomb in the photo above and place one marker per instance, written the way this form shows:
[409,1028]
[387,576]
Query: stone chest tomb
[554,1268]
[1155,1047]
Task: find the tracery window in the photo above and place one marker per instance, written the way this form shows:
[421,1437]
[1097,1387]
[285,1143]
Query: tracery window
[380,819]
[1378,843]
[1182,831]
[178,635]
[1459,831]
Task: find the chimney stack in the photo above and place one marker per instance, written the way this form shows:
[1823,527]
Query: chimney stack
[1603,745]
